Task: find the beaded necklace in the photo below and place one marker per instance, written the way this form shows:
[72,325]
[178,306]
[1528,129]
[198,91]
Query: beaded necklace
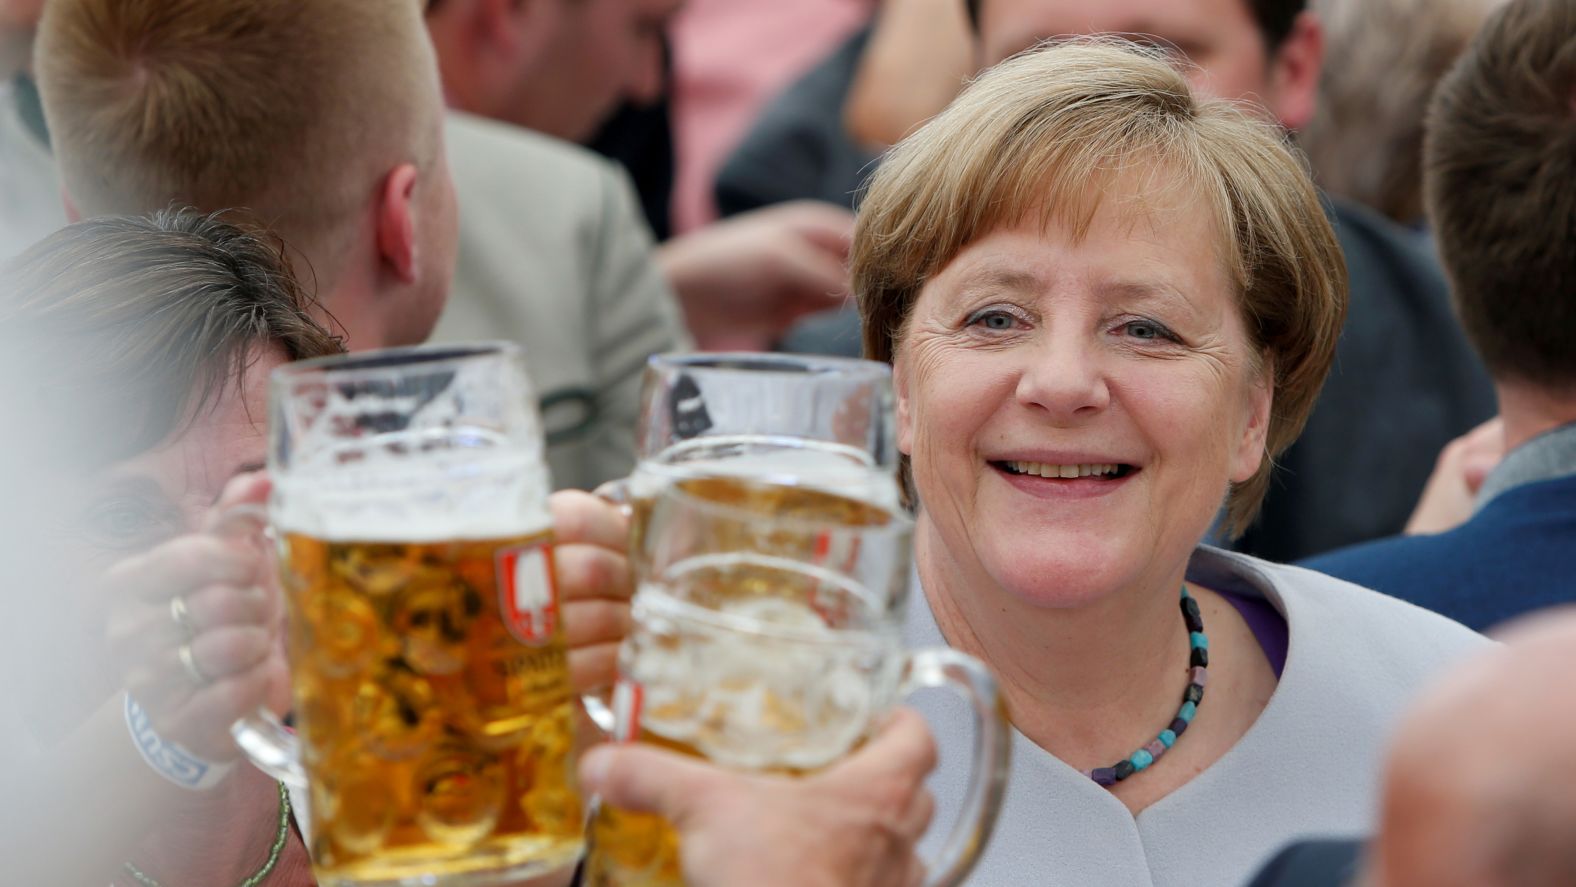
[273,852]
[1198,661]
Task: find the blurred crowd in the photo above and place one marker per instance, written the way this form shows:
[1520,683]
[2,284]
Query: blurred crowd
[1287,286]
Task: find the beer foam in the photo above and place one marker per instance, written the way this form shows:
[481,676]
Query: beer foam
[414,487]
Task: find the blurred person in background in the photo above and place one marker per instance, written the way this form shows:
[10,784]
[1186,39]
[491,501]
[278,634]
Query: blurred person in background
[1405,381]
[1382,60]
[730,57]
[1500,179]
[29,189]
[560,67]
[134,355]
[344,155]
[149,632]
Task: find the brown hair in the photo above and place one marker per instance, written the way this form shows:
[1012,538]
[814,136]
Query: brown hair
[115,331]
[1366,142]
[292,108]
[1500,177]
[1041,132]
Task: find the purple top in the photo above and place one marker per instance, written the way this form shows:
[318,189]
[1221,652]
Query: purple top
[1266,623]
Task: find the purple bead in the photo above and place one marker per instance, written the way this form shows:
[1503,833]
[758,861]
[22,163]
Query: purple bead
[1103,775]
[1179,726]
[1155,749]
[1198,675]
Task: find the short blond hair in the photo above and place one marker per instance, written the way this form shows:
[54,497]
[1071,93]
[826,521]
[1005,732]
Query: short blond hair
[1044,132]
[291,108]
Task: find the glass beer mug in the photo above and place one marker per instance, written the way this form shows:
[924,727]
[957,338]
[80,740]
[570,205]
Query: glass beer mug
[428,665]
[773,571]
[794,422]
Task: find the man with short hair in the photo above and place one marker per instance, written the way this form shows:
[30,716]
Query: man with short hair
[324,119]
[1405,381]
[331,127]
[1500,184]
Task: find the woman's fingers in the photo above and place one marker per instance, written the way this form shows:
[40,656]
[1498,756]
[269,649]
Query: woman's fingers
[589,571]
[178,567]
[594,667]
[581,518]
[588,623]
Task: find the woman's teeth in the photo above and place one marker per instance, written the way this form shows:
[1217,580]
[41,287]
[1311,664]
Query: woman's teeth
[1041,469]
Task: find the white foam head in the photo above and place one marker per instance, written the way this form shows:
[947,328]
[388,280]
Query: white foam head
[425,486]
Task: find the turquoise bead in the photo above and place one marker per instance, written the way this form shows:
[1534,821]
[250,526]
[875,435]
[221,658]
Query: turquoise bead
[1167,738]
[1187,711]
[1141,759]
[1200,642]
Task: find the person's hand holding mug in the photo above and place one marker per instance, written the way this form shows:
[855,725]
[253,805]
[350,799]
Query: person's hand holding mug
[854,824]
[595,584]
[194,627]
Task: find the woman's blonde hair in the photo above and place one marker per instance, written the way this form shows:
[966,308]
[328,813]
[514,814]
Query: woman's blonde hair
[1048,132]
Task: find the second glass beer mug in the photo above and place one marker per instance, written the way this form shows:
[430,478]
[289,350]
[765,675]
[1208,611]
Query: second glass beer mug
[429,671]
[768,639]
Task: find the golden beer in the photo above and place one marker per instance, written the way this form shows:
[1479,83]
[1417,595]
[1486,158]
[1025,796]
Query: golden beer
[433,701]
[805,481]
[754,647]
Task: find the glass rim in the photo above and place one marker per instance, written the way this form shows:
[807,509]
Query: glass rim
[382,361]
[770,363]
[900,521]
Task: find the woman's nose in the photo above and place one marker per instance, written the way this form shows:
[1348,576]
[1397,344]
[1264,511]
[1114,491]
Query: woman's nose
[1064,376]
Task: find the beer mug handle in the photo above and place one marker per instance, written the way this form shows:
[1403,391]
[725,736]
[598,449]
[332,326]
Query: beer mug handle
[271,746]
[944,667]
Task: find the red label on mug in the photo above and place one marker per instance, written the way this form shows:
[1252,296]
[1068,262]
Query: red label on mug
[527,593]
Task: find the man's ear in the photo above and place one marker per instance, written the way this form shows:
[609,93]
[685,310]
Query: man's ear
[1294,73]
[73,215]
[1250,453]
[905,415]
[396,222]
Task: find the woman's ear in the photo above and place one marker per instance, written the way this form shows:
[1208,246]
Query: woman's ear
[1258,409]
[905,419]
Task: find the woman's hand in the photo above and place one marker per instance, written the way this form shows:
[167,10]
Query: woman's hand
[194,628]
[595,584]
[854,824]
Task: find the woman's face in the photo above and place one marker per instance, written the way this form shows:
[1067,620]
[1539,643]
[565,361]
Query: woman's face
[83,524]
[165,492]
[1074,410]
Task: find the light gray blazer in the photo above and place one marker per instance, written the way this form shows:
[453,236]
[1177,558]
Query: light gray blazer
[555,255]
[1309,766]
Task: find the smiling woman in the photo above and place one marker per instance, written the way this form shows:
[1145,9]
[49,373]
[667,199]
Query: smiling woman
[1109,305]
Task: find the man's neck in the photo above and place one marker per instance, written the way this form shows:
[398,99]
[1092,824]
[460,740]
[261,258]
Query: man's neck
[1530,410]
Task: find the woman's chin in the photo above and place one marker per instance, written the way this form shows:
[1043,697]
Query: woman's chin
[1063,580]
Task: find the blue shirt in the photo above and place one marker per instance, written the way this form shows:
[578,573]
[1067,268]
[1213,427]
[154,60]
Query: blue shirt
[1516,554]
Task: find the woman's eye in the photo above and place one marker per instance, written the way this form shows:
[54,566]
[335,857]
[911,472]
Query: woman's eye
[996,321]
[1147,330]
[125,523]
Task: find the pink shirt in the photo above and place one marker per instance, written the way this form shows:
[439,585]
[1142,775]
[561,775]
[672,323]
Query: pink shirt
[731,57]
